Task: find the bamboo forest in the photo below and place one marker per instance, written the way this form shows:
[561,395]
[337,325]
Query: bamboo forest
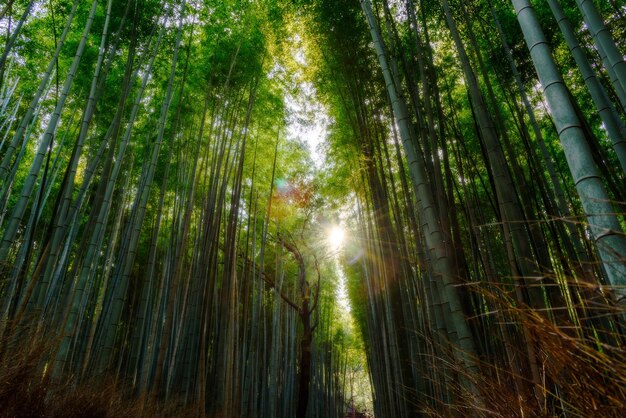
[312,208]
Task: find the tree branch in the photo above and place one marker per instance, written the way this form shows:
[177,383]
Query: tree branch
[319,280]
[270,282]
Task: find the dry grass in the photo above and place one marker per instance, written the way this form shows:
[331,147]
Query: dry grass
[26,390]
[580,376]
[582,370]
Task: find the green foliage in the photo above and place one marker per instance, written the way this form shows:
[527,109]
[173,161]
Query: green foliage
[173,266]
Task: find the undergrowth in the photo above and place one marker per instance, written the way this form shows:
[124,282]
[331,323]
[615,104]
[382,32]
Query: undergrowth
[27,389]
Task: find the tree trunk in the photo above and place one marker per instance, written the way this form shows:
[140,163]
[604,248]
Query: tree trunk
[605,228]
[615,127]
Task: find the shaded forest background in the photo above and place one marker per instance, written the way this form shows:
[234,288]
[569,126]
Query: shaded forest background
[305,208]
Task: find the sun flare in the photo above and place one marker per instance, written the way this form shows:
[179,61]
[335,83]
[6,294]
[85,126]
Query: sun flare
[336,237]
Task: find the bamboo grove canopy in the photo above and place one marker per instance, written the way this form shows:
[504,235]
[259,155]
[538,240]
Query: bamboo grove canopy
[312,208]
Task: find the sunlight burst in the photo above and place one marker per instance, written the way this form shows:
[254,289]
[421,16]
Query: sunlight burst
[336,237]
